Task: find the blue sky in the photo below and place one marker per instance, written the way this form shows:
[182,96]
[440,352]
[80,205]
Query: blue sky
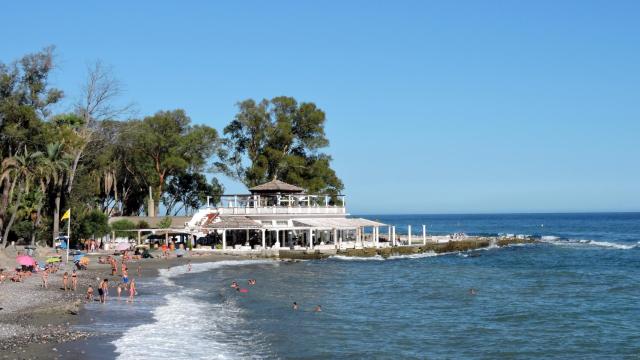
[432,107]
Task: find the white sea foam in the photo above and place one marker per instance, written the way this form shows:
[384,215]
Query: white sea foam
[416,256]
[587,243]
[183,322]
[357,258]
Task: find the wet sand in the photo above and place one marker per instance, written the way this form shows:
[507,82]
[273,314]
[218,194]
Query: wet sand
[37,323]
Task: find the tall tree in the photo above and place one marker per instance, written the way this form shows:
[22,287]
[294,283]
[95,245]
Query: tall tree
[167,144]
[25,101]
[280,138]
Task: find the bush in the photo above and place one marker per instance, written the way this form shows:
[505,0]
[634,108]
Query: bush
[120,227]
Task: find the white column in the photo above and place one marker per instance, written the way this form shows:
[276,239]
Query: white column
[393,236]
[247,238]
[224,239]
[424,234]
[310,238]
[264,239]
[376,235]
[409,233]
[277,244]
[389,232]
[335,239]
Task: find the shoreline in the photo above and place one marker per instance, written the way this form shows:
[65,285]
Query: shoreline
[43,329]
[36,329]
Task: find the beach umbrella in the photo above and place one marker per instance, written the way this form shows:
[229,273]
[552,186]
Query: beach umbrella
[25,260]
[123,246]
[53,259]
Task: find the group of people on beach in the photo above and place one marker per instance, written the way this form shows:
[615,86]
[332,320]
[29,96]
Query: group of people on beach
[125,284]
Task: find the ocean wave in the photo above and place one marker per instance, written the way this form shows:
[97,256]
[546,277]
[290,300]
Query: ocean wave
[554,240]
[416,256]
[356,258]
[183,321]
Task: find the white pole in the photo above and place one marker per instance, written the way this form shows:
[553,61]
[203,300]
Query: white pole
[224,239]
[424,234]
[389,237]
[68,235]
[409,233]
[264,240]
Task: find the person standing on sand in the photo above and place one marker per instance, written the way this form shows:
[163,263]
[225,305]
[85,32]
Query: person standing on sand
[74,280]
[132,290]
[65,281]
[119,290]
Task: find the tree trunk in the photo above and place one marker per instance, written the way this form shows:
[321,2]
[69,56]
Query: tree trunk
[4,204]
[13,217]
[36,224]
[74,168]
[56,215]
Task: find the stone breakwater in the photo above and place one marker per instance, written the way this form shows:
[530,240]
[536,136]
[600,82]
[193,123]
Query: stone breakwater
[468,244]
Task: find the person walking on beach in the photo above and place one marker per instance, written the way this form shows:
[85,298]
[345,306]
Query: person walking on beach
[102,290]
[189,266]
[90,293]
[132,290]
[74,280]
[65,281]
[119,290]
[45,279]
[139,270]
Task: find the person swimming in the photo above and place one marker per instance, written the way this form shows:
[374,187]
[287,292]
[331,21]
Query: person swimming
[472,291]
[295,306]
[234,285]
[318,308]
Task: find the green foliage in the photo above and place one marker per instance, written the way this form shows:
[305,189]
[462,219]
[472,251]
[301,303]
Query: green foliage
[165,223]
[143,224]
[120,226]
[188,191]
[280,139]
[91,225]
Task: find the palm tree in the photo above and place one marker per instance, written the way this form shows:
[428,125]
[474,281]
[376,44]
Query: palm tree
[22,169]
[59,162]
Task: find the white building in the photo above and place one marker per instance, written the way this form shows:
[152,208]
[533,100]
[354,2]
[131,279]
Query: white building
[277,215]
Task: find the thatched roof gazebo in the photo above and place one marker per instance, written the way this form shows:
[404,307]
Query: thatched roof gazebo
[276,186]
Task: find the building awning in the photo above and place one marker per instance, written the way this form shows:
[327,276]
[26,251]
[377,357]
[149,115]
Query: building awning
[335,223]
[234,222]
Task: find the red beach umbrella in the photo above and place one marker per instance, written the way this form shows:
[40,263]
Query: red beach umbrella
[25,260]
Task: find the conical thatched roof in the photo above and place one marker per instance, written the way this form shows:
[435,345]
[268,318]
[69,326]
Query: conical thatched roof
[276,186]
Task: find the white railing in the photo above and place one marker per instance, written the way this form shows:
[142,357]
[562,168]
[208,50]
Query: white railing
[332,210]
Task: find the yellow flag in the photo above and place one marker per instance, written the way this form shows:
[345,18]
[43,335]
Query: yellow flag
[66,215]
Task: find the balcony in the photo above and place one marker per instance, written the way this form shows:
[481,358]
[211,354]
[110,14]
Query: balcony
[300,204]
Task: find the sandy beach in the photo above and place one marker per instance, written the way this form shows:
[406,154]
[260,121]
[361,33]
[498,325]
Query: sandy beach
[34,321]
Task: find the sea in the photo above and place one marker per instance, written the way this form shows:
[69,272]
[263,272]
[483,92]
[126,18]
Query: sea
[575,294]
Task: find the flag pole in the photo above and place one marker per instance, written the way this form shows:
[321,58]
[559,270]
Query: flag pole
[68,236]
